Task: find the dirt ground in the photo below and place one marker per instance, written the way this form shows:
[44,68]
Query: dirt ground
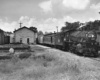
[50,64]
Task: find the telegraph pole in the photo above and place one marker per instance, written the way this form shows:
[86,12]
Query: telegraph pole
[20,24]
[57,28]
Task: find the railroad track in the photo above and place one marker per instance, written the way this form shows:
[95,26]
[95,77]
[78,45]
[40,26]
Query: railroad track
[97,59]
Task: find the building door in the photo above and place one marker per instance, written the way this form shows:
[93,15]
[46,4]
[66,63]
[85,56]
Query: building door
[28,41]
[20,40]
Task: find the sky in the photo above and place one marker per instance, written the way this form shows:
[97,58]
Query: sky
[46,15]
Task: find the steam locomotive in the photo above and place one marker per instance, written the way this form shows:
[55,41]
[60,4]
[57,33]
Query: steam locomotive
[79,42]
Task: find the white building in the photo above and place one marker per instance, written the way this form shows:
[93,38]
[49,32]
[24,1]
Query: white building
[25,35]
[12,38]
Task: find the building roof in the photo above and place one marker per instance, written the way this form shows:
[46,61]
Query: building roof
[1,31]
[23,28]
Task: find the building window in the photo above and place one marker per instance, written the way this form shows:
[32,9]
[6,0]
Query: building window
[20,40]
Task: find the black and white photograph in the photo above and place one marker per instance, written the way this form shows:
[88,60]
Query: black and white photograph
[49,39]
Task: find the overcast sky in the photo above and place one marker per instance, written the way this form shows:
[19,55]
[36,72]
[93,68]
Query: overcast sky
[46,14]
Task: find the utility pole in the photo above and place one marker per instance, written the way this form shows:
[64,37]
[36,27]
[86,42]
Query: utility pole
[20,24]
[57,28]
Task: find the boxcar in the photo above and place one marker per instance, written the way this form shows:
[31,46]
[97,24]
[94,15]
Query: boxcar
[49,39]
[59,40]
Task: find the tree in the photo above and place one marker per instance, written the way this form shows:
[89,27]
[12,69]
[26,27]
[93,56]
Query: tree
[40,33]
[33,29]
[69,26]
[92,25]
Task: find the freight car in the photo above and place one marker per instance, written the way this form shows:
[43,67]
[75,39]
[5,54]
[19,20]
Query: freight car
[71,40]
[49,39]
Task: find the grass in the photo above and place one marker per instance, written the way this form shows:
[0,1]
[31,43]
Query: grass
[56,65]
[17,47]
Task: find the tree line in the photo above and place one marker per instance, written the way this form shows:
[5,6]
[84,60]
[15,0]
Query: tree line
[91,25]
[88,26]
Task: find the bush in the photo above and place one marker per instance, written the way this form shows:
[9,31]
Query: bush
[5,57]
[24,55]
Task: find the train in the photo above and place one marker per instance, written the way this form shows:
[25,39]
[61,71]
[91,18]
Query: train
[80,42]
